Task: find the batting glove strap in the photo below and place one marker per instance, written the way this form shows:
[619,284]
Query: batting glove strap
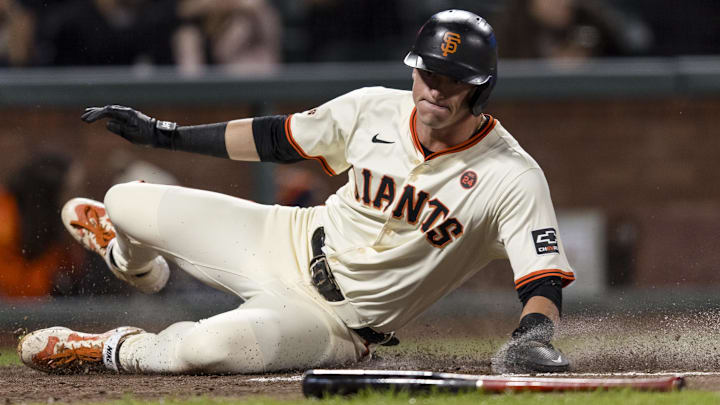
[164,134]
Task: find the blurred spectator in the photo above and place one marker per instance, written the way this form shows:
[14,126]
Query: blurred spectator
[680,27]
[239,35]
[17,33]
[32,238]
[107,32]
[569,29]
[367,30]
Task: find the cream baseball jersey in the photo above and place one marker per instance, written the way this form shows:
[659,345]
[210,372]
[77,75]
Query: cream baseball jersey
[407,228]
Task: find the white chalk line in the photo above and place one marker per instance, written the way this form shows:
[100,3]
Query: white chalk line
[296,378]
[292,378]
[633,374]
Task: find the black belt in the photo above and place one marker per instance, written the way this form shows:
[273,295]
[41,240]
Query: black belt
[324,282]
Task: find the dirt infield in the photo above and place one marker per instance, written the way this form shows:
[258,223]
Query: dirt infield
[22,385]
[631,345]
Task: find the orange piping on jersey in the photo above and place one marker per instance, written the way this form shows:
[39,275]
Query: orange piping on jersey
[413,132]
[477,136]
[288,133]
[566,276]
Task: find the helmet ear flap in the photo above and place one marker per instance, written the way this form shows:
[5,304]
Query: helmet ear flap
[480,97]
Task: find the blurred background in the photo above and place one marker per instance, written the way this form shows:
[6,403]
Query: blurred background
[616,100]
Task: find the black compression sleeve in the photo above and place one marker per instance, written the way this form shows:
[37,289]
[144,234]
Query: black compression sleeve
[205,139]
[535,326]
[271,142]
[548,287]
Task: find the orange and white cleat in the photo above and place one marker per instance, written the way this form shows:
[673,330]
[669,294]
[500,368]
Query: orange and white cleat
[88,222]
[60,350]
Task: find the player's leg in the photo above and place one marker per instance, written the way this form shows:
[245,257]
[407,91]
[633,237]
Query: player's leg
[229,243]
[239,246]
[267,333]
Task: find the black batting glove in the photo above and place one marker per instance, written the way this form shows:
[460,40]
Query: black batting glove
[529,349]
[133,125]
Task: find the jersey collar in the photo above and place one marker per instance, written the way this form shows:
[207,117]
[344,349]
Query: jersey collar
[478,136]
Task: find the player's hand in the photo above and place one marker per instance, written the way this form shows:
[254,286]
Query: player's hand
[133,125]
[524,356]
[529,351]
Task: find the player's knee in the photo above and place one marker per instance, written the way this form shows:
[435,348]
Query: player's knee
[233,350]
[133,207]
[116,202]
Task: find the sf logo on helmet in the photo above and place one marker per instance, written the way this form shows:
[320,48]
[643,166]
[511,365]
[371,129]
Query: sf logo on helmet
[450,43]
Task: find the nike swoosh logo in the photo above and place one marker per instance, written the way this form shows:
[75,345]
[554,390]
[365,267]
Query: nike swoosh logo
[558,360]
[375,139]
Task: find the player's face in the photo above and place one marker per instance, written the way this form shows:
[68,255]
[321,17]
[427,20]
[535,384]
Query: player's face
[440,100]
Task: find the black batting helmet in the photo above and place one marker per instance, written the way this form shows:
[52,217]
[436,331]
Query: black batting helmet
[462,45]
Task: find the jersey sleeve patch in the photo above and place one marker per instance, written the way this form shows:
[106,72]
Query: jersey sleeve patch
[566,277]
[545,241]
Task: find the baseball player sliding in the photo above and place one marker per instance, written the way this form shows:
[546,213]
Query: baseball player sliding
[436,189]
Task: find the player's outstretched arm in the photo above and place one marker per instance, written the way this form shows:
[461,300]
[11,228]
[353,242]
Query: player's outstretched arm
[232,139]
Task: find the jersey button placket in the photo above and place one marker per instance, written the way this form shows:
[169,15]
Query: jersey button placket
[415,172]
[385,235]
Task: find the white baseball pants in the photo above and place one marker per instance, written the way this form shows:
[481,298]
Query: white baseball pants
[258,252]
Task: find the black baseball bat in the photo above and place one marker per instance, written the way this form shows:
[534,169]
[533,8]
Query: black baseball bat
[319,383]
